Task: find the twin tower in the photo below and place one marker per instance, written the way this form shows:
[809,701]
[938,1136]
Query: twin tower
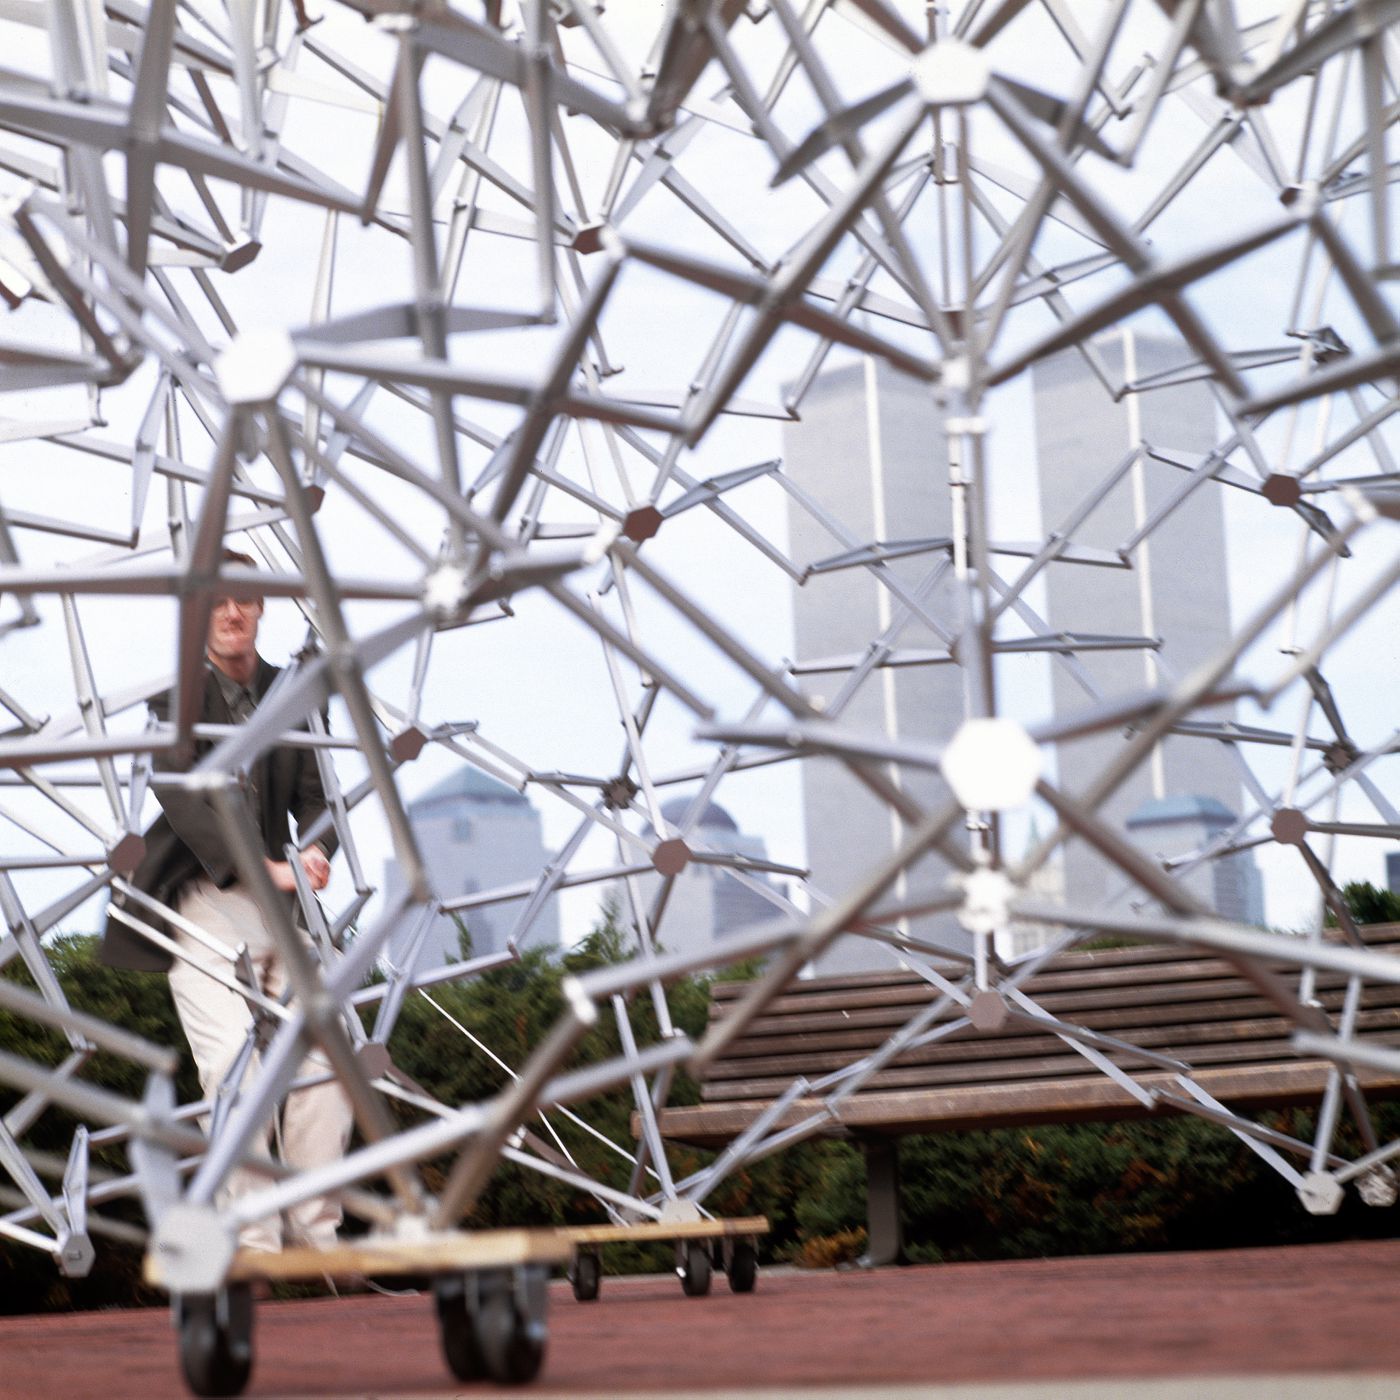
[1137,598]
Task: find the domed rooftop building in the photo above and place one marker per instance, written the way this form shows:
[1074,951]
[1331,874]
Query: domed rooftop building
[466,784]
[675,809]
[1175,827]
[709,901]
[477,835]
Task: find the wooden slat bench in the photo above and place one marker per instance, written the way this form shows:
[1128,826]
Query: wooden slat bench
[1172,1001]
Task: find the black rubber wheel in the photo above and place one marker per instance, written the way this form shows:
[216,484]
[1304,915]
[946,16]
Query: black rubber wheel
[511,1341]
[743,1267]
[695,1271]
[587,1276]
[216,1340]
[460,1347]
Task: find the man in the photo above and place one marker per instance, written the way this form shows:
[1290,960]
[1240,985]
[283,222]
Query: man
[188,868]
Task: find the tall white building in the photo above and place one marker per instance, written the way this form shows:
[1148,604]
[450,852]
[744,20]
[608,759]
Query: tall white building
[870,455]
[1177,590]
[475,834]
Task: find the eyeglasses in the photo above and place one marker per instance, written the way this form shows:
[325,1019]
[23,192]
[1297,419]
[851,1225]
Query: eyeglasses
[238,604]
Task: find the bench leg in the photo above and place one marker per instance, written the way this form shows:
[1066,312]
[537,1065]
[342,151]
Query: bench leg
[885,1243]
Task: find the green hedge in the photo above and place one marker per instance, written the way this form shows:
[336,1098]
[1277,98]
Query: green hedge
[1010,1193]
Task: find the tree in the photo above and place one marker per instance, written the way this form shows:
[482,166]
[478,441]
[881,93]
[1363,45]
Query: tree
[139,1002]
[1370,904]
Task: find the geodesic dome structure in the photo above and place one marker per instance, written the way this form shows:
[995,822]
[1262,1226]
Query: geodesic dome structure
[473,324]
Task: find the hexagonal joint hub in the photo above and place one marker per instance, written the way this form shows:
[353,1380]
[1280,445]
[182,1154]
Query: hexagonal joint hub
[671,856]
[1321,1193]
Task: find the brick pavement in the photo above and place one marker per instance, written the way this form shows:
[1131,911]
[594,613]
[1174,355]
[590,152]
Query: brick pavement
[1323,1309]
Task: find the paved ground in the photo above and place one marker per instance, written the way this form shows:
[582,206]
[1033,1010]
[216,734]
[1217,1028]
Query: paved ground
[1297,1324]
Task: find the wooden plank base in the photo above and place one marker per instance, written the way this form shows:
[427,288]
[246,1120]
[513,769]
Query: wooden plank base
[441,1253]
[741,1227]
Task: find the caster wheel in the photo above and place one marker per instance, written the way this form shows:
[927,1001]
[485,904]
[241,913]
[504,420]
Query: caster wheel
[510,1325]
[216,1340]
[695,1269]
[587,1276]
[457,1327]
[743,1267]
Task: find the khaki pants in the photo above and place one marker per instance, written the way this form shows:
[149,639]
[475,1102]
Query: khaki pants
[315,1122]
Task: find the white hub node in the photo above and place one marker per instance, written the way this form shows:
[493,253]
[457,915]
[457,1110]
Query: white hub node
[191,1250]
[1377,1187]
[992,765]
[951,74]
[444,591]
[256,366]
[1321,1194]
[987,905]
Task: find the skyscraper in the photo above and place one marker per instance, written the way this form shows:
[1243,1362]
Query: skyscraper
[869,459]
[476,834]
[1176,591]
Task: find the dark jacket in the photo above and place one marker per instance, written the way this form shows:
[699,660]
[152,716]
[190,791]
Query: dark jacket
[187,839]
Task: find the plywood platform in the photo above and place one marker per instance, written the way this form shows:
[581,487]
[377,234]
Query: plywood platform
[441,1253]
[743,1227]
